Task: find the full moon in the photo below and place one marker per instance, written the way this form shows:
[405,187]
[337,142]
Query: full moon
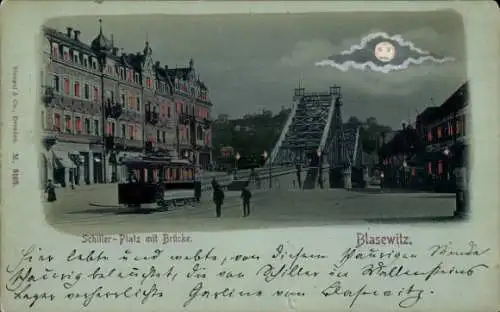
[385,51]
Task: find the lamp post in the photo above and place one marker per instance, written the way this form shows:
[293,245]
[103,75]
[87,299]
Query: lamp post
[265,155]
[320,168]
[405,165]
[236,159]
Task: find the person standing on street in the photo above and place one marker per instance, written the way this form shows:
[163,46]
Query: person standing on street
[197,185]
[218,200]
[50,190]
[246,195]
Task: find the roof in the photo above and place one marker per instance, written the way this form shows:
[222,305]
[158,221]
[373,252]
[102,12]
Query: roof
[457,100]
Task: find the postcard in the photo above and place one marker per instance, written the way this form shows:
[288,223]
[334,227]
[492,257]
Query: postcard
[254,156]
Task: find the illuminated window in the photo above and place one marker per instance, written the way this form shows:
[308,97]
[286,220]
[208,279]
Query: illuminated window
[76,87]
[109,130]
[57,122]
[440,167]
[429,168]
[78,124]
[429,136]
[66,86]
[67,121]
[439,133]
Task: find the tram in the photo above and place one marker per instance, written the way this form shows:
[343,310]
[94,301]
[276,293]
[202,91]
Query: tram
[160,181]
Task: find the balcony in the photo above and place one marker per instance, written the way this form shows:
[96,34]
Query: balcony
[113,110]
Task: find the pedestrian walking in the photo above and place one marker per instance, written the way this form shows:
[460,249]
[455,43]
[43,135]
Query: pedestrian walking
[218,200]
[246,195]
[50,190]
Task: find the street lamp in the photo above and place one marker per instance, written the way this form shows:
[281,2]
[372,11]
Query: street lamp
[320,168]
[265,155]
[237,158]
[405,165]
[446,152]
[186,154]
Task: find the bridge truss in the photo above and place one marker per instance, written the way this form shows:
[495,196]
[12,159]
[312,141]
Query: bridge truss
[315,125]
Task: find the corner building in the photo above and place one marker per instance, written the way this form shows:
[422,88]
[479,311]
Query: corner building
[99,106]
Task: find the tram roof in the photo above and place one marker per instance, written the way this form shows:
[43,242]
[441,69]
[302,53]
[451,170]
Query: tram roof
[154,162]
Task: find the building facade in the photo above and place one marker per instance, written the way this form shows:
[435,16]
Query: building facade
[425,154]
[100,105]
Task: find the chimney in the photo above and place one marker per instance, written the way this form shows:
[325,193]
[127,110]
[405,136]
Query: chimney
[68,31]
[76,34]
[115,51]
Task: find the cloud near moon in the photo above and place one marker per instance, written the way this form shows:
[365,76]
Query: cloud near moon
[374,53]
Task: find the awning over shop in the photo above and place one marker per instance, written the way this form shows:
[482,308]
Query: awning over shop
[62,160]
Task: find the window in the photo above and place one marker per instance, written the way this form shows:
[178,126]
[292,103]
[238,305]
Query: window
[76,59]
[136,132]
[168,111]
[199,133]
[164,136]
[158,136]
[76,87]
[429,136]
[94,64]
[66,86]
[56,83]
[109,130]
[131,132]
[124,131]
[66,54]
[68,125]
[96,127]
[78,124]
[113,129]
[95,96]
[138,103]
[85,61]
[136,78]
[131,102]
[86,91]
[55,50]
[88,130]
[129,75]
[112,95]
[57,122]
[439,134]
[124,102]
[440,167]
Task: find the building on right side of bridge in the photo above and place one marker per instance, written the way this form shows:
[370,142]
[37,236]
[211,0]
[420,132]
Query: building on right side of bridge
[425,154]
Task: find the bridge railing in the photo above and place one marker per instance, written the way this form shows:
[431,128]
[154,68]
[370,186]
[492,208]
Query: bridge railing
[245,174]
[284,131]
